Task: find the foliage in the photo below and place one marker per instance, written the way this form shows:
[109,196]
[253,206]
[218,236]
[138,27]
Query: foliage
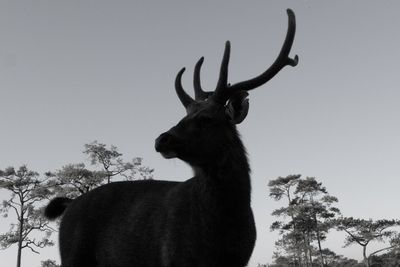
[334,260]
[113,165]
[331,260]
[306,218]
[49,263]
[389,259]
[363,232]
[73,180]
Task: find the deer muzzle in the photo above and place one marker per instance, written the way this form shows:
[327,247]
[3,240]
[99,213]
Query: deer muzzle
[164,145]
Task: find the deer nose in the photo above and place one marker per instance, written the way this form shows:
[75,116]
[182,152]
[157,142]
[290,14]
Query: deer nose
[162,141]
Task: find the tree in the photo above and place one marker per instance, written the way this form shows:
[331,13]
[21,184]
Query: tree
[27,190]
[112,163]
[316,205]
[283,188]
[310,211]
[363,232]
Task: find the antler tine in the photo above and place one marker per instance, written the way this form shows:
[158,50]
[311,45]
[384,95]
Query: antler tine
[222,83]
[198,91]
[183,96]
[281,61]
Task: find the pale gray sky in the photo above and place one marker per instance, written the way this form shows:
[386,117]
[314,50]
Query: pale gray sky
[76,71]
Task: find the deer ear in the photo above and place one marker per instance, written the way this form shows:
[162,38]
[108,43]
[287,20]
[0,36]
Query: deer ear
[237,107]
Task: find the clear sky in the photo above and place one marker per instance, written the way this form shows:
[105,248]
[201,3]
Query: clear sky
[76,71]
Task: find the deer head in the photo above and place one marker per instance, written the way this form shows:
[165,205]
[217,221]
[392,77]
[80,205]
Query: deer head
[208,130]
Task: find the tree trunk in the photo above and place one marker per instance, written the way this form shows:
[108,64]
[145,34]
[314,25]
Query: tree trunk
[366,259]
[319,242]
[309,248]
[305,251]
[306,258]
[320,250]
[21,228]
[108,176]
[299,252]
[298,257]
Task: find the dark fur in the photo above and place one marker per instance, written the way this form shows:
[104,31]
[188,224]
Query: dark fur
[205,221]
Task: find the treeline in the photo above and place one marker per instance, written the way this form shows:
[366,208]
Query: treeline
[309,213]
[30,191]
[303,222]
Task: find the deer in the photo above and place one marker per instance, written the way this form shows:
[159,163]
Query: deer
[204,221]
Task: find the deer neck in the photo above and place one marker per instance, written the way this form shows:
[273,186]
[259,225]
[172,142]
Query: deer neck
[227,179]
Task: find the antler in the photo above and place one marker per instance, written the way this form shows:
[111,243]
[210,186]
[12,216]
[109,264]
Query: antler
[183,96]
[224,90]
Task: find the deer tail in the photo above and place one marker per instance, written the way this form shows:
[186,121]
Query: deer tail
[56,207]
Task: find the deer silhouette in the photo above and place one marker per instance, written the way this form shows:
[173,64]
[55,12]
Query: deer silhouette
[205,221]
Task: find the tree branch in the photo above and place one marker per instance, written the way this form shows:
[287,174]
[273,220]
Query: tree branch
[380,250]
